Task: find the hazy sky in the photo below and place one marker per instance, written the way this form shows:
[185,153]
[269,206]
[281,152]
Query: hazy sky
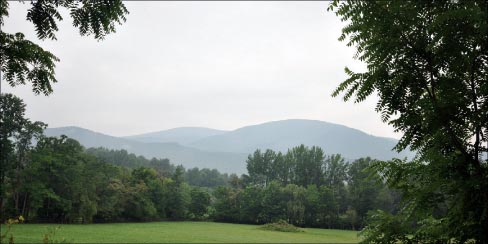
[221,65]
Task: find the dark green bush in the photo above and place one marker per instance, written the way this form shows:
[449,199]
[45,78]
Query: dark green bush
[282,226]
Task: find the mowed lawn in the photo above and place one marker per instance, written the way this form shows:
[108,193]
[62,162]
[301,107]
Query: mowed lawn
[181,232]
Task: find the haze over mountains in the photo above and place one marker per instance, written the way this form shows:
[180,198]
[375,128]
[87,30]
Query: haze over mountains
[227,151]
[181,135]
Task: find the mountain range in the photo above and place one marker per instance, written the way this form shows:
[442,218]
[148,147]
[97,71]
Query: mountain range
[227,151]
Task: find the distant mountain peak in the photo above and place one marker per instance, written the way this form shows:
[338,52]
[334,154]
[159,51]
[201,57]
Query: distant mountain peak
[228,150]
[284,134]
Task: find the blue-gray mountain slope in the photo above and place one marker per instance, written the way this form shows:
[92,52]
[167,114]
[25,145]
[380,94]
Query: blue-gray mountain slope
[285,134]
[227,151]
[181,135]
[189,157]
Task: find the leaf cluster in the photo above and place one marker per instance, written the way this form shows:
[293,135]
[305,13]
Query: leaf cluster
[24,61]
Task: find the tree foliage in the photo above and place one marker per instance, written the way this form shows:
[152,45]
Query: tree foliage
[317,191]
[24,61]
[50,179]
[428,63]
[57,180]
[16,135]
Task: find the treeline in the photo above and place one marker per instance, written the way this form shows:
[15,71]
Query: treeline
[130,160]
[194,176]
[305,188]
[60,182]
[57,180]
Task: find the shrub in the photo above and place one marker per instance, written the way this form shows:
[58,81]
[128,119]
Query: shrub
[281,225]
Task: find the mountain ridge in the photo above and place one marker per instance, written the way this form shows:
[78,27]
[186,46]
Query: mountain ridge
[181,135]
[227,150]
[284,134]
[177,154]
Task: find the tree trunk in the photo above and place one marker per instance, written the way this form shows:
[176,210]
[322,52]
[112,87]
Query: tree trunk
[26,198]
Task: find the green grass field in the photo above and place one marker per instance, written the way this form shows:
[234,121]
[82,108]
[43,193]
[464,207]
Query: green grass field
[181,232]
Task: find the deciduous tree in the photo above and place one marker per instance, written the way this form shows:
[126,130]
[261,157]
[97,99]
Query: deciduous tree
[428,63]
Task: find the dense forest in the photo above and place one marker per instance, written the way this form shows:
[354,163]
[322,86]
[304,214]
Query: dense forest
[305,188]
[55,179]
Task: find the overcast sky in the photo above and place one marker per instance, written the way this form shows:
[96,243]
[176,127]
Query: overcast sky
[221,65]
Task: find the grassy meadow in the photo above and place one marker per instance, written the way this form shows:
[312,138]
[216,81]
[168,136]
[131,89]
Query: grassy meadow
[176,232]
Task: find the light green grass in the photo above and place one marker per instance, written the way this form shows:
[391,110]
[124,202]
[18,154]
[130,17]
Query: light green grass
[181,232]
